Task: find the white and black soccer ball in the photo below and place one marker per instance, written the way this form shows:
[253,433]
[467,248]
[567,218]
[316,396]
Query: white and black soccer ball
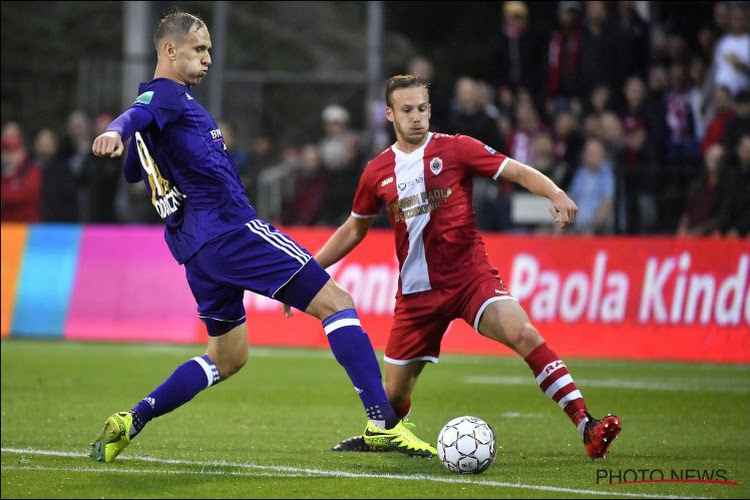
[467,445]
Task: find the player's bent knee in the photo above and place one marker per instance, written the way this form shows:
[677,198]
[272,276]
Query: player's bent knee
[331,299]
[229,365]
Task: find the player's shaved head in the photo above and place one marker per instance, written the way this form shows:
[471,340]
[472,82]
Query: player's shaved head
[176,24]
[403,82]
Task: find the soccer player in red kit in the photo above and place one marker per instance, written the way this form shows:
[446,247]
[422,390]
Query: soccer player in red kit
[425,182]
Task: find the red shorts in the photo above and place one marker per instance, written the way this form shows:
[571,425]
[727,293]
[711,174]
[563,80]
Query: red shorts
[422,318]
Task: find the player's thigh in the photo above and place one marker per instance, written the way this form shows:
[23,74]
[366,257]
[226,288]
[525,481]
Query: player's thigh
[330,299]
[506,321]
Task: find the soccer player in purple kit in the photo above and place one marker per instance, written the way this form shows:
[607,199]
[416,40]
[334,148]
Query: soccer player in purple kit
[178,151]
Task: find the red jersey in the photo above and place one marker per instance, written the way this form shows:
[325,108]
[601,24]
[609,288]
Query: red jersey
[428,196]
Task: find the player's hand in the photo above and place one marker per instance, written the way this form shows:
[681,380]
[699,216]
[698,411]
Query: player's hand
[108,144]
[287,310]
[563,209]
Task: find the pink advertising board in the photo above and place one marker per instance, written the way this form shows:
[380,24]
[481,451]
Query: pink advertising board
[129,288]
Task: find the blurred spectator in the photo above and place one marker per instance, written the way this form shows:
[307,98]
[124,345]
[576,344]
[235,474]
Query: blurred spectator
[311,186]
[568,145]
[101,176]
[469,116]
[723,115]
[486,96]
[592,125]
[339,147]
[721,18]
[706,44]
[75,147]
[381,130]
[519,53]
[564,72]
[239,155]
[339,155]
[492,204]
[597,48]
[637,178]
[600,99]
[593,190]
[676,48]
[682,146]
[59,185]
[699,100]
[612,133]
[543,150]
[701,209]
[737,126]
[262,155]
[653,114]
[614,141]
[734,210]
[732,57]
[658,53]
[21,196]
[631,43]
[635,98]
[527,125]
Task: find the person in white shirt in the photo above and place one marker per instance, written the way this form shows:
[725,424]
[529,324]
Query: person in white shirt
[732,57]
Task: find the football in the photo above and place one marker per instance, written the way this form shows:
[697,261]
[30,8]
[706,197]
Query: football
[467,445]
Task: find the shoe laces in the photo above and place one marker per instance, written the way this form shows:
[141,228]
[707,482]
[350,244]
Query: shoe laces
[409,425]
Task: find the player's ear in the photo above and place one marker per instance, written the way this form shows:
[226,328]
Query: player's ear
[170,49]
[389,114]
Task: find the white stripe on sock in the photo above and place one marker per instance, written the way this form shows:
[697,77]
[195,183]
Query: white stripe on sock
[558,384]
[569,397]
[341,323]
[207,369]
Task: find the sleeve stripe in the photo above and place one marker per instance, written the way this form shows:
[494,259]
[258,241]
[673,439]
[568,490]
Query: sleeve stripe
[500,170]
[360,216]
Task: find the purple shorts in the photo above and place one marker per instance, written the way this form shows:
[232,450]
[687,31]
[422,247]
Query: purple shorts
[255,257]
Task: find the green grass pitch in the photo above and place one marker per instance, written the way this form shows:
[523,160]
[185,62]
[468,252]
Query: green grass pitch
[266,433]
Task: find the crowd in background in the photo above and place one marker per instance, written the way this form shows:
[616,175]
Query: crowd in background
[647,130]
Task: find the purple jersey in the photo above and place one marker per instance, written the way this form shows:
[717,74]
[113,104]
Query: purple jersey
[192,180]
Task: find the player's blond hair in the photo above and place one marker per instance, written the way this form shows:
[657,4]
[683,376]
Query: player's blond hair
[403,82]
[176,22]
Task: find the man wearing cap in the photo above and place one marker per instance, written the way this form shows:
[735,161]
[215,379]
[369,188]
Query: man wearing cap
[339,153]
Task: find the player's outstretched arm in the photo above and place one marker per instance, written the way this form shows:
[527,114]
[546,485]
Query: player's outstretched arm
[110,142]
[562,208]
[344,240]
[338,246]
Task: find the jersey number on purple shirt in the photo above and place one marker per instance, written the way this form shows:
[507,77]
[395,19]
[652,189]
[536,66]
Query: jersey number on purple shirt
[165,198]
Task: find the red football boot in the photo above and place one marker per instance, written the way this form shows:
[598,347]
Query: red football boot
[599,434]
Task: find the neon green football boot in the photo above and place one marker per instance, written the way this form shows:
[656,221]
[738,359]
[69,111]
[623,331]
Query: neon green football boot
[115,436]
[400,438]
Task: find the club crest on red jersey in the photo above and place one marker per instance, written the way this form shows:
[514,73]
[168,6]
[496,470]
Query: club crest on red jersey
[436,165]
